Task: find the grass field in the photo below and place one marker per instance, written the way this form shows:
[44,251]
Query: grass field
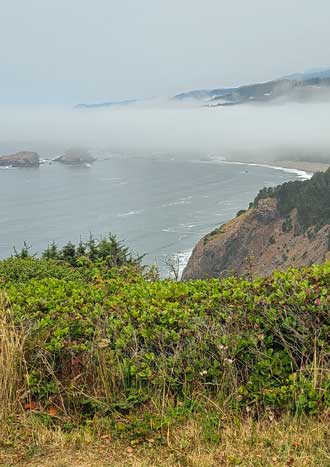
[284,442]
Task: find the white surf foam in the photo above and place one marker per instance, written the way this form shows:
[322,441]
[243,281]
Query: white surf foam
[130,213]
[180,260]
[185,200]
[301,174]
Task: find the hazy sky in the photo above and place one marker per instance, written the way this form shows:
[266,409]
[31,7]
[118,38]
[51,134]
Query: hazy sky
[62,52]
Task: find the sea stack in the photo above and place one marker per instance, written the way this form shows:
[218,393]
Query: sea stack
[75,156]
[20,159]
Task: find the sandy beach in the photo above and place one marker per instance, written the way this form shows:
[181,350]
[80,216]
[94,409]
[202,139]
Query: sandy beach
[307,166]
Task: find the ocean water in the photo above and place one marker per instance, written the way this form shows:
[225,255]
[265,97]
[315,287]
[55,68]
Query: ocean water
[160,206]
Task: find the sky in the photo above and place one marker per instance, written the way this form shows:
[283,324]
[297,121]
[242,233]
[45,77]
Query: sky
[58,53]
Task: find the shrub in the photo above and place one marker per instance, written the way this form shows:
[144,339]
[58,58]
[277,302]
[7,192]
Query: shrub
[287,224]
[240,212]
[115,342]
[272,240]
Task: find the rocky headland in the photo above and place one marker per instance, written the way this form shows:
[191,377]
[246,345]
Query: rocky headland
[285,226]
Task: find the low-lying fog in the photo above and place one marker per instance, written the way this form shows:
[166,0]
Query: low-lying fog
[254,132]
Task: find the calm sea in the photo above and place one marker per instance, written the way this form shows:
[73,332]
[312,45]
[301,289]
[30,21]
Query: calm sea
[160,206]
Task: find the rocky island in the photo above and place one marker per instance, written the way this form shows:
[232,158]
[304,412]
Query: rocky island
[75,156]
[288,225]
[20,159]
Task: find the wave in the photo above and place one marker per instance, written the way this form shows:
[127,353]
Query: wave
[111,179]
[130,213]
[302,174]
[180,228]
[183,258]
[185,200]
[180,260]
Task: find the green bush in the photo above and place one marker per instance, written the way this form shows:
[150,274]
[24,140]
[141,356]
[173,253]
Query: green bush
[102,340]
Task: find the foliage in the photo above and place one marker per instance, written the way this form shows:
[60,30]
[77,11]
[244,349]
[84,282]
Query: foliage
[241,212]
[109,341]
[109,250]
[22,269]
[311,198]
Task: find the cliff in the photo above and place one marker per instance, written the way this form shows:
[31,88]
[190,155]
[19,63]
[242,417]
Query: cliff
[20,159]
[285,226]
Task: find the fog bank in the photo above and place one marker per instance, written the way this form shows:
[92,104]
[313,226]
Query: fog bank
[246,132]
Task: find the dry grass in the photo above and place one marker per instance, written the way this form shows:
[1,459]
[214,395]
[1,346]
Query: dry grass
[285,442]
[11,364]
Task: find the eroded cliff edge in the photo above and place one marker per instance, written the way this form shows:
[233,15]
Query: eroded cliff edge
[285,226]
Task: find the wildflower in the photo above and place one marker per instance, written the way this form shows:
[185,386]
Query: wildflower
[203,373]
[229,361]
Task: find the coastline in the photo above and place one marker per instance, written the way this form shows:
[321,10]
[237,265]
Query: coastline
[278,165]
[306,166]
[303,169]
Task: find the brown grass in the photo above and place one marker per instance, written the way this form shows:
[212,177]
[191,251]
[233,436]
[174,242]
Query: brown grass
[284,442]
[11,364]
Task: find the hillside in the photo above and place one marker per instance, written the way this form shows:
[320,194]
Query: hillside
[285,226]
[307,85]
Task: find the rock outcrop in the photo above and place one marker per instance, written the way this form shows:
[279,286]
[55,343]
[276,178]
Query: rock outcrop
[20,159]
[75,156]
[258,241]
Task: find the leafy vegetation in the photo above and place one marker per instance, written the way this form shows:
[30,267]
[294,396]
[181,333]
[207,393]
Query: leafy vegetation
[100,336]
[311,198]
[240,212]
[109,250]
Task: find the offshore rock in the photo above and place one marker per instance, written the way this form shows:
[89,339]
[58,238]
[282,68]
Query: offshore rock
[75,156]
[20,159]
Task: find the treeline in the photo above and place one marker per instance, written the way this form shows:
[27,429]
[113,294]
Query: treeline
[106,249]
[311,198]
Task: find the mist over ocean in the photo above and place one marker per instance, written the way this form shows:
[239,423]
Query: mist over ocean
[160,206]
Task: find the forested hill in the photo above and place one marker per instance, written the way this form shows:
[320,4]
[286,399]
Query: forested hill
[311,199]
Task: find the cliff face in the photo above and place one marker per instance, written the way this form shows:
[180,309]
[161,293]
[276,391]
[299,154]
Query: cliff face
[259,241]
[20,159]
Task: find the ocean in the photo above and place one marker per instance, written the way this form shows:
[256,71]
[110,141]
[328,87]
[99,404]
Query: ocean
[159,206]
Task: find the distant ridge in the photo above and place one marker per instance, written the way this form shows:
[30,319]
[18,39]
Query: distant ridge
[107,104]
[310,74]
[298,86]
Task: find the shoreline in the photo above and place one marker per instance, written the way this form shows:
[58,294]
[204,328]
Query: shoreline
[303,169]
[300,173]
[306,166]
